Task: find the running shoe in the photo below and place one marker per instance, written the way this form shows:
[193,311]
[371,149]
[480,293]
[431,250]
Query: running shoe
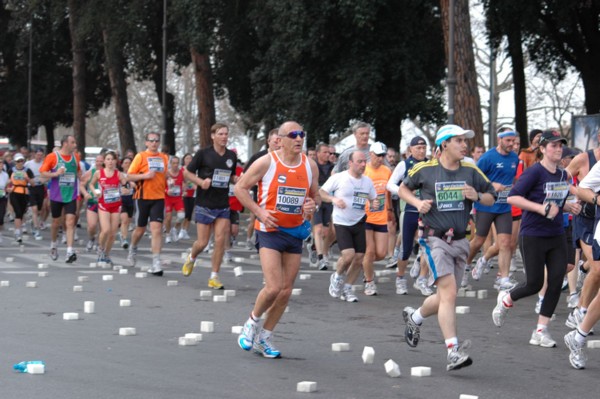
[37,235]
[131,257]
[156,269]
[63,240]
[348,295]
[500,311]
[246,338]
[542,338]
[576,356]
[188,266]
[108,261]
[174,236]
[370,288]
[416,267]
[458,356]
[336,283]
[391,262]
[19,239]
[53,253]
[478,269]
[323,264]
[505,285]
[125,244]
[168,239]
[565,284]
[71,257]
[183,235]
[265,347]
[89,247]
[574,318]
[572,300]
[215,283]
[250,245]
[412,329]
[401,286]
[421,285]
[227,256]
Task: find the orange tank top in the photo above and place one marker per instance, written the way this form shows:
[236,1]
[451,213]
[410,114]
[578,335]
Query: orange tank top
[283,189]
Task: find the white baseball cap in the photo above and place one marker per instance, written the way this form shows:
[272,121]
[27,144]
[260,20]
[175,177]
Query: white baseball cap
[448,131]
[378,148]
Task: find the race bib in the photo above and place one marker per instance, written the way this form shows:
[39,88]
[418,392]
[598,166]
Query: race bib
[503,195]
[290,200]
[449,196]
[156,164]
[359,200]
[220,178]
[174,191]
[111,195]
[67,180]
[556,192]
[18,175]
[380,201]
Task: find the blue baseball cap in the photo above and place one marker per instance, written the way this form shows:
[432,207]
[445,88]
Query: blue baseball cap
[448,131]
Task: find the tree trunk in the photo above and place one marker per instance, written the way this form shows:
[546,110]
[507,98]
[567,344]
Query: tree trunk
[204,95]
[591,88]
[387,130]
[520,90]
[466,101]
[49,126]
[169,138]
[79,102]
[118,87]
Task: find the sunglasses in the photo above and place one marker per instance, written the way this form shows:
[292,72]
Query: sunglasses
[295,133]
[380,155]
[153,140]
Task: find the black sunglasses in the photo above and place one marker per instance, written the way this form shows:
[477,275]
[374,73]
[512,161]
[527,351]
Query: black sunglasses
[295,133]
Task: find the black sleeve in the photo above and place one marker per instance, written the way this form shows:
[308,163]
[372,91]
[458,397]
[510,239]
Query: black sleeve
[30,174]
[194,165]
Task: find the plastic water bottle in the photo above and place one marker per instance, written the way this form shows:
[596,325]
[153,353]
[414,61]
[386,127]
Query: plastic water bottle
[22,367]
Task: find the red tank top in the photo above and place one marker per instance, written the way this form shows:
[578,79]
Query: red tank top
[174,187]
[111,190]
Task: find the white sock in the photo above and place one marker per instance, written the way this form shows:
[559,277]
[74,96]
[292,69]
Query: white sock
[214,275]
[451,343]
[418,317]
[265,334]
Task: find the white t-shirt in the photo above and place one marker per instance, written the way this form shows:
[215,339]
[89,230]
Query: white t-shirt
[34,167]
[4,179]
[354,192]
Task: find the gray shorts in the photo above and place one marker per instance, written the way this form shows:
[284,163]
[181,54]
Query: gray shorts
[483,223]
[446,258]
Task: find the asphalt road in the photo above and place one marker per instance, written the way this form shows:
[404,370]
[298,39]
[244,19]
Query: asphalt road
[88,359]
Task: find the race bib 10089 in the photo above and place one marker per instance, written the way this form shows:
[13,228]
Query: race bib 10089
[290,200]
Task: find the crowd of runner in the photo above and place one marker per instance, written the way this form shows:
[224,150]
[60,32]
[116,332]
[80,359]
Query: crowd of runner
[453,212]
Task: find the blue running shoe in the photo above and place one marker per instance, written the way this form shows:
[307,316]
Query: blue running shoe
[266,348]
[246,338]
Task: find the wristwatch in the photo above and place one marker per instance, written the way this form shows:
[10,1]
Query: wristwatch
[479,195]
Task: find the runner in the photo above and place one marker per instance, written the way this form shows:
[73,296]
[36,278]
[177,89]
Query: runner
[149,170]
[174,200]
[349,192]
[109,182]
[91,213]
[235,208]
[4,182]
[409,221]
[322,237]
[541,192]
[20,177]
[62,168]
[212,169]
[500,166]
[448,188]
[189,194]
[127,205]
[37,192]
[376,226]
[288,194]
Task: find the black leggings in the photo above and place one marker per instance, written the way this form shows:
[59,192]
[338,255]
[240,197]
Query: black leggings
[188,204]
[538,252]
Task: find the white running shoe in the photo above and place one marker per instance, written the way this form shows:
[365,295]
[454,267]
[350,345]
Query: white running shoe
[421,285]
[348,295]
[478,269]
[370,288]
[572,300]
[542,338]
[416,267]
[183,235]
[336,283]
[401,286]
[500,311]
[576,356]
[174,236]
